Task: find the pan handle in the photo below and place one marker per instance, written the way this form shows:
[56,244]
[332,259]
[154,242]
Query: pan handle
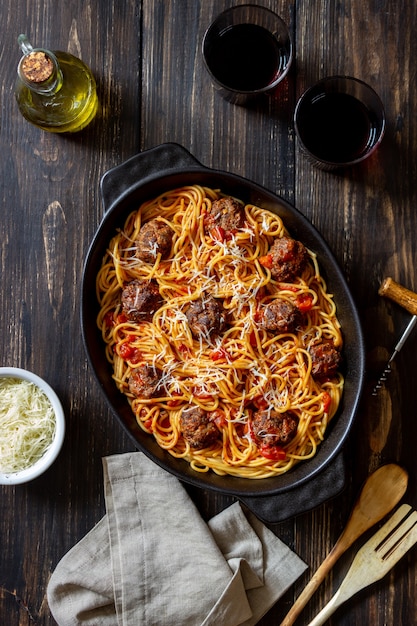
[328,484]
[155,161]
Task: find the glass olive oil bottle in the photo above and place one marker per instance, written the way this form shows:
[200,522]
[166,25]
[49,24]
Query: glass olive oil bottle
[55,91]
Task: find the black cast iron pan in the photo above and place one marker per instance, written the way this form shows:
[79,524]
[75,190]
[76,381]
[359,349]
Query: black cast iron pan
[145,176]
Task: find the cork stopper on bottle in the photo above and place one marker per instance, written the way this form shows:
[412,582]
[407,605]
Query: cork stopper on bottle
[37,67]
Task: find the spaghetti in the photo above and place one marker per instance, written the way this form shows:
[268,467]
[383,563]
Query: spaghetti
[242,368]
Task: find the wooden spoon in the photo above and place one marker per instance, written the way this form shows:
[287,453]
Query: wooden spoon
[381,492]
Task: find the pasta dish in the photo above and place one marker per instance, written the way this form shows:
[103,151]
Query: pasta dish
[221,332]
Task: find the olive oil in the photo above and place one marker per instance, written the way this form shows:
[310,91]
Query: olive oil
[55,91]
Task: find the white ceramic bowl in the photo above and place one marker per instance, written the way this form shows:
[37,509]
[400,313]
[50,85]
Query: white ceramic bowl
[52,452]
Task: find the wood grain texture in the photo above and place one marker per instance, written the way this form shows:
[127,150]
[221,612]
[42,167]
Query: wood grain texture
[153,88]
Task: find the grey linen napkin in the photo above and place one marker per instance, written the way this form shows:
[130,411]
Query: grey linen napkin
[153,561]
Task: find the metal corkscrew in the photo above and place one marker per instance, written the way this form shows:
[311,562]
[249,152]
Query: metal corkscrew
[408,300]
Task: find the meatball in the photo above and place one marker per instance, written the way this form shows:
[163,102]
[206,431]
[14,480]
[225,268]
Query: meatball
[271,428]
[140,300]
[144,381]
[155,237]
[288,258]
[197,429]
[225,213]
[206,317]
[281,316]
[325,359]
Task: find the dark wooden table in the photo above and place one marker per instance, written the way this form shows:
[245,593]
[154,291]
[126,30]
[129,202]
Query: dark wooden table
[153,89]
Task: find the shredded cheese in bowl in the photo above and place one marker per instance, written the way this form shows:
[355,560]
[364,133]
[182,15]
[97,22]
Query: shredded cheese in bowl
[31,426]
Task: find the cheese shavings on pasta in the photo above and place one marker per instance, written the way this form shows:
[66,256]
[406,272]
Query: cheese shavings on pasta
[229,375]
[27,424]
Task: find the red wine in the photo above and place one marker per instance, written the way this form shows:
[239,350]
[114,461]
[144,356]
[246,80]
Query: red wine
[246,57]
[336,127]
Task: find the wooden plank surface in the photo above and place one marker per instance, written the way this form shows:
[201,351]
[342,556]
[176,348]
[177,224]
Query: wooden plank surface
[153,89]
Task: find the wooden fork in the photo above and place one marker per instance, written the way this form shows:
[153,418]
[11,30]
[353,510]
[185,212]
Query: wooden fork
[375,558]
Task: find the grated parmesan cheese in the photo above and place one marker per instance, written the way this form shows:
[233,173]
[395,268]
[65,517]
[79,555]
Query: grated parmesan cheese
[27,424]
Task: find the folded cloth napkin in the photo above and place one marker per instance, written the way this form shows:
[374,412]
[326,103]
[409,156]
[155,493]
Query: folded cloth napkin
[153,561]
